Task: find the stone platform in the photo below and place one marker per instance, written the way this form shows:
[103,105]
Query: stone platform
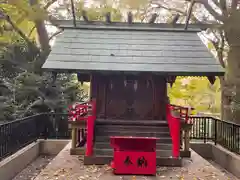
[69,167]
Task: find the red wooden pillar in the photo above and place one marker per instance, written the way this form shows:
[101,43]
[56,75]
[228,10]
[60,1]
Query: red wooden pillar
[174,126]
[90,128]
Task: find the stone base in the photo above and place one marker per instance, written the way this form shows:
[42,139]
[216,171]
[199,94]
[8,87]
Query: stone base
[185,154]
[77,151]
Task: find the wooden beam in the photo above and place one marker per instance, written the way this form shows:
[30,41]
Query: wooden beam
[211,79]
[73,13]
[137,25]
[153,18]
[171,80]
[130,17]
[189,14]
[108,17]
[175,19]
[84,15]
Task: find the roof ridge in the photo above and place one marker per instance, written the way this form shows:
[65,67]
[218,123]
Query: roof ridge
[135,26]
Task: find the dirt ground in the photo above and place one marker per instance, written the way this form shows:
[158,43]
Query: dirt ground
[67,167]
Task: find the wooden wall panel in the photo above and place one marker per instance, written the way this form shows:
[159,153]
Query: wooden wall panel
[101,94]
[129,97]
[160,97]
[93,86]
[115,101]
[144,102]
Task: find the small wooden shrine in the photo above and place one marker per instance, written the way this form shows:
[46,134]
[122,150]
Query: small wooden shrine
[129,66]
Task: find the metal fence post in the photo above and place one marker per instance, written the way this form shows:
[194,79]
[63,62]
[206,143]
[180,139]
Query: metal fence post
[215,134]
[205,129]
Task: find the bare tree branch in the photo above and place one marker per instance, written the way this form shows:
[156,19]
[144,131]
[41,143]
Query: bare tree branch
[171,9]
[221,49]
[55,34]
[153,18]
[223,6]
[31,31]
[41,30]
[216,2]
[17,30]
[175,19]
[49,4]
[215,14]
[219,46]
[189,13]
[178,11]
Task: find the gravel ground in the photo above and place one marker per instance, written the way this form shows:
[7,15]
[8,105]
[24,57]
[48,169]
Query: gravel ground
[32,170]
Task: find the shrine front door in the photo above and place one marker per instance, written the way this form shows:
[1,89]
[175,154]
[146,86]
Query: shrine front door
[130,98]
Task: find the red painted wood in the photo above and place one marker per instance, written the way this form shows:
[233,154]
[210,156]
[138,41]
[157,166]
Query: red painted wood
[184,112]
[90,133]
[80,112]
[120,167]
[134,155]
[174,126]
[90,129]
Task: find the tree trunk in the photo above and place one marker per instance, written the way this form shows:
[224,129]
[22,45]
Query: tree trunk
[232,33]
[233,73]
[226,97]
[42,34]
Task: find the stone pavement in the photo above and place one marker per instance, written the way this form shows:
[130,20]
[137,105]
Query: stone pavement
[67,167]
[33,169]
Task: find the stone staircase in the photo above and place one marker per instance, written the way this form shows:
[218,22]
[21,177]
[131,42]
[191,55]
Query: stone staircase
[103,152]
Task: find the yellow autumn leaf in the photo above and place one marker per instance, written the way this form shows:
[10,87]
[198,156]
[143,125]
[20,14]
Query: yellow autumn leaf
[210,46]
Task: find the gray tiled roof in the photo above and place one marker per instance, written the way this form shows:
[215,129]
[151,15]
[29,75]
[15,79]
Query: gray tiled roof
[134,51]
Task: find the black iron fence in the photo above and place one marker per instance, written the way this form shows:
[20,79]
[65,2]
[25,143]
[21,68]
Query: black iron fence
[220,132]
[17,134]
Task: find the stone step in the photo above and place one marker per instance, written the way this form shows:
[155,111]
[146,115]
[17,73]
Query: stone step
[106,145]
[132,128]
[131,122]
[161,161]
[109,152]
[107,132]
[107,139]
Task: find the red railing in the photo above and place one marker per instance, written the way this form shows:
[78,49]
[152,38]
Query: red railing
[85,112]
[78,111]
[183,112]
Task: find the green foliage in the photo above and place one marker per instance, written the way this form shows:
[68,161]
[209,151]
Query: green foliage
[24,90]
[196,92]
[29,92]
